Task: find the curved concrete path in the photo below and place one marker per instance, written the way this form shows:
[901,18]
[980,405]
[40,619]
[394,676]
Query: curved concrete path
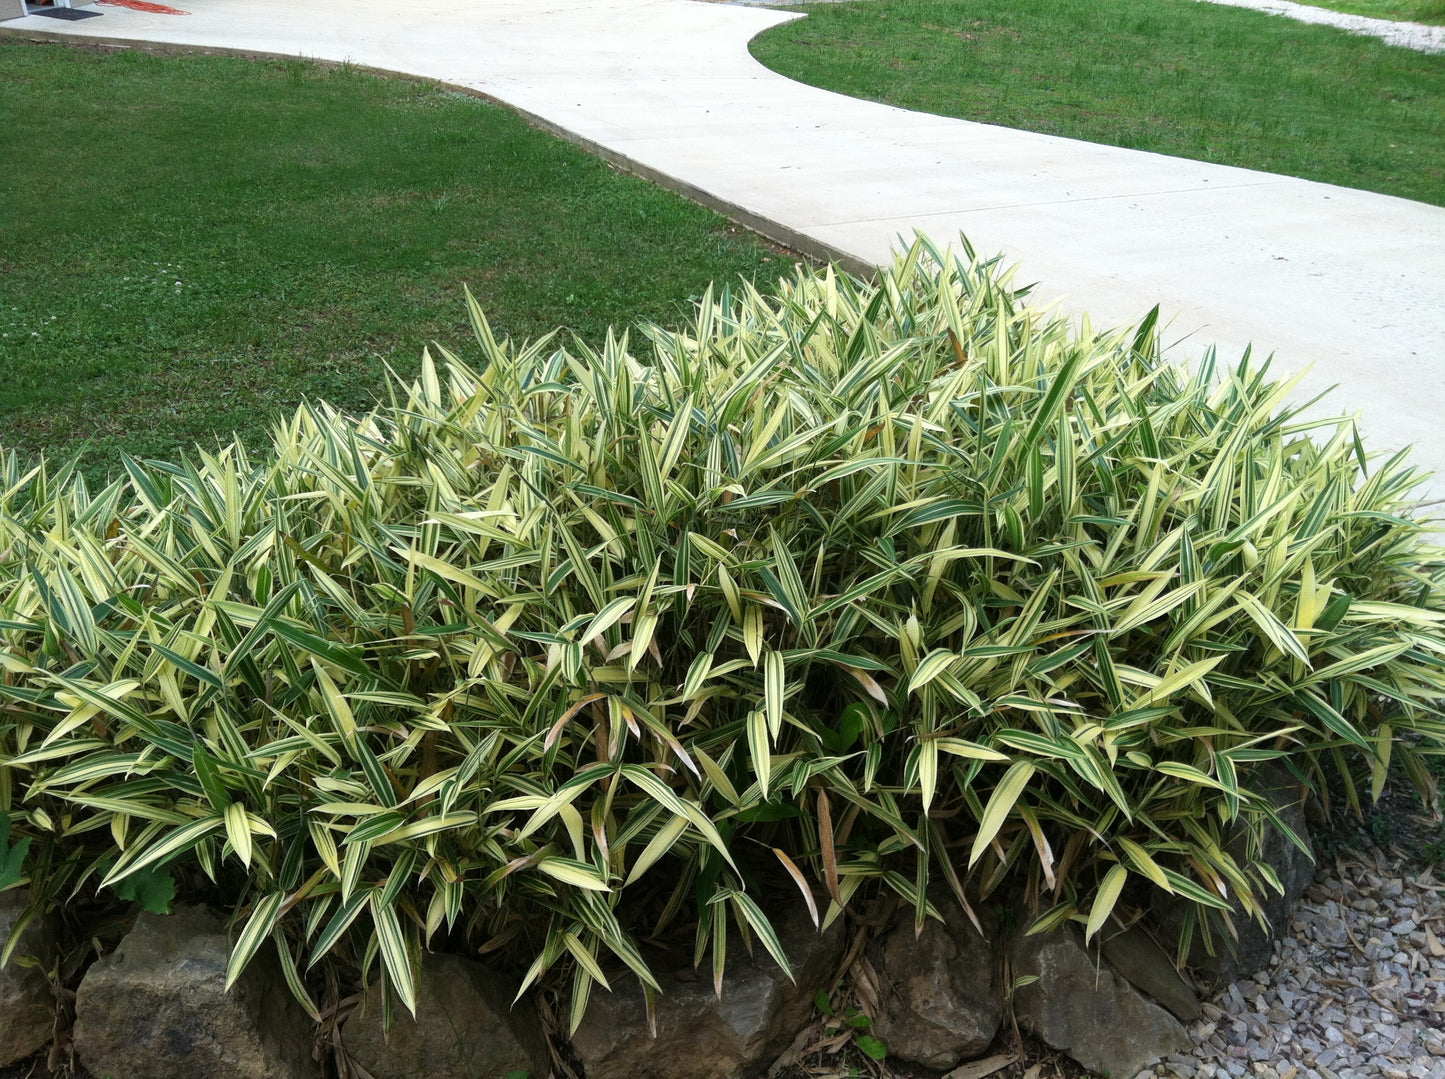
[1348,282]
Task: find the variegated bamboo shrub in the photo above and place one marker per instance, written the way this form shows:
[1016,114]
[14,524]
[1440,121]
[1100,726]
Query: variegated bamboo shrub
[877,584]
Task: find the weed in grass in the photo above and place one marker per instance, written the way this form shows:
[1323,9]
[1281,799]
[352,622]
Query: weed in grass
[1170,76]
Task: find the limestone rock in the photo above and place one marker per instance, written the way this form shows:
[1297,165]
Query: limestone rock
[156,1008]
[1088,1011]
[27,1007]
[465,1028]
[942,989]
[1146,966]
[698,1036]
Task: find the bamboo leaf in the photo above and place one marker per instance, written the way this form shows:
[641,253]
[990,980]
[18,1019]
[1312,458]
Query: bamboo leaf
[1105,900]
[258,927]
[774,687]
[1000,803]
[238,831]
[395,955]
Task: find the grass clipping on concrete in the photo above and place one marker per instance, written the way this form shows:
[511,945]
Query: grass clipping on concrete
[893,585]
[1177,77]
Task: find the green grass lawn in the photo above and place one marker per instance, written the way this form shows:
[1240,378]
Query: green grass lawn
[189,245]
[1176,77]
[1426,11]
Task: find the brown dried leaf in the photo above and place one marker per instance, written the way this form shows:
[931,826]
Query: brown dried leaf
[833,1044]
[825,846]
[865,986]
[798,879]
[1433,943]
[977,1069]
[794,1052]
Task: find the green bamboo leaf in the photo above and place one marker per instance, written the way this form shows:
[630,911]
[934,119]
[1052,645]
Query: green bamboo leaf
[336,706]
[586,960]
[318,647]
[1190,675]
[1274,630]
[1041,745]
[666,837]
[209,774]
[764,930]
[292,975]
[179,841]
[760,749]
[716,776]
[353,861]
[1059,388]
[204,675]
[608,617]
[395,956]
[673,443]
[445,570]
[730,592]
[338,925]
[12,858]
[697,674]
[774,688]
[577,874]
[238,831]
[927,771]
[1191,890]
[131,807]
[1000,804]
[961,747]
[753,631]
[664,795]
[1144,863]
[930,667]
[375,826]
[1311,703]
[445,822]
[1188,773]
[1105,900]
[258,927]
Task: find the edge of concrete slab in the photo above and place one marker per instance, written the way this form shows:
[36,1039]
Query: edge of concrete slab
[766,227]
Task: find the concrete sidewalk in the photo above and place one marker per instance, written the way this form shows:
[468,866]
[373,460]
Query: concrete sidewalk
[1350,283]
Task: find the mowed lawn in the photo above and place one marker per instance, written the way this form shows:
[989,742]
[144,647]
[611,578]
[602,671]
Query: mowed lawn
[190,245]
[1179,77]
[1430,12]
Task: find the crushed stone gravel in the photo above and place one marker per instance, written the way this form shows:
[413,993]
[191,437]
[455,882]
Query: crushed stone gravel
[1356,989]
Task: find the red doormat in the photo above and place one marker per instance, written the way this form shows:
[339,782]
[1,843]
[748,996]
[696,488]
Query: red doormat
[145,5]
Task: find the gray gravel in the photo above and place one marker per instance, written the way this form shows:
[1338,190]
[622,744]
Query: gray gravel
[1356,991]
[1408,35]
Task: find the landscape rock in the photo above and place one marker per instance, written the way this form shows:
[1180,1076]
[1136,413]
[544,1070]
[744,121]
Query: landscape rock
[1134,954]
[465,1028]
[1086,1010]
[156,1008]
[698,1036]
[27,1006]
[942,989]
